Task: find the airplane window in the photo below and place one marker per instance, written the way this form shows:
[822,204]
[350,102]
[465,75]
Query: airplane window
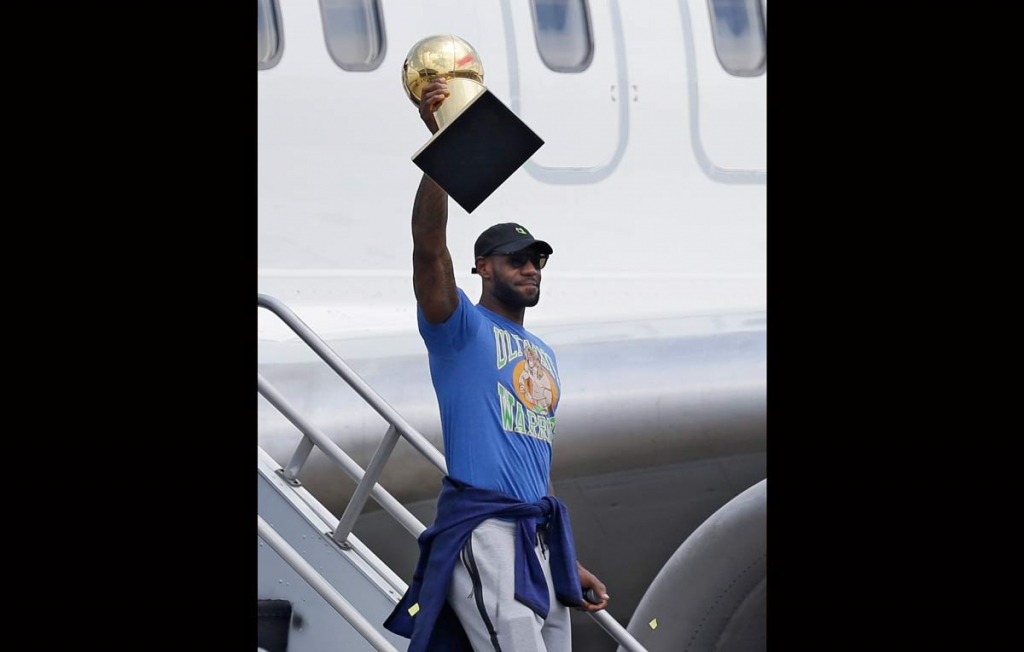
[268,33]
[354,30]
[740,36]
[564,38]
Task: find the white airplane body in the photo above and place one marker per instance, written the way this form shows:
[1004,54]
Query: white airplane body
[651,188]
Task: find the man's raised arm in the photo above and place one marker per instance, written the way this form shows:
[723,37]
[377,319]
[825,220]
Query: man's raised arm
[432,274]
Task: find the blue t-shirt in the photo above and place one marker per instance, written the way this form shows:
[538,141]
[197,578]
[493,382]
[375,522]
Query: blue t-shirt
[497,387]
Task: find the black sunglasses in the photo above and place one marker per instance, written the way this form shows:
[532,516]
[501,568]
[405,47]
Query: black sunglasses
[518,258]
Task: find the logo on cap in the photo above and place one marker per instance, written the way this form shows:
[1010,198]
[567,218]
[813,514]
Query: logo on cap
[520,229]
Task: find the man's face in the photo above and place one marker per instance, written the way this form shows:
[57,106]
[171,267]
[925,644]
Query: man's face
[516,277]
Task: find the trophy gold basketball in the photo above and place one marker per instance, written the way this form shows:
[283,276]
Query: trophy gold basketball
[480,142]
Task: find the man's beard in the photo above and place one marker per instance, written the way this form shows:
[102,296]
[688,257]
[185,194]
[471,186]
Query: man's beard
[508,295]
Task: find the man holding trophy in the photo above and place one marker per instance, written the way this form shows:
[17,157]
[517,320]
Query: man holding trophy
[498,568]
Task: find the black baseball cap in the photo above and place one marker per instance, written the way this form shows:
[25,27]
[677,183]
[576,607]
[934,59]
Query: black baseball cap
[506,238]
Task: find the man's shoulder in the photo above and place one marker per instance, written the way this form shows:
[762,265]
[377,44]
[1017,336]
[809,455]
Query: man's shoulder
[463,303]
[466,323]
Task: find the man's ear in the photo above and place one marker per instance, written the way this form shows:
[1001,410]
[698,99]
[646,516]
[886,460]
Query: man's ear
[483,267]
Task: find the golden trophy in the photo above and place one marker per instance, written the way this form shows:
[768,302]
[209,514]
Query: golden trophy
[480,142]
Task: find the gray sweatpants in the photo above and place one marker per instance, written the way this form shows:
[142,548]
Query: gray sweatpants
[490,614]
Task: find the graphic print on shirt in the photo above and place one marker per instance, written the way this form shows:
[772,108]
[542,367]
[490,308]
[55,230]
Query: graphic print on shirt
[530,410]
[535,388]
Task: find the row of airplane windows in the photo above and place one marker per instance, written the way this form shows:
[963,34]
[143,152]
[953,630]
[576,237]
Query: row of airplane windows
[355,34]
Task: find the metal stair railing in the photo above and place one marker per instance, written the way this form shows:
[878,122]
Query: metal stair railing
[323,587]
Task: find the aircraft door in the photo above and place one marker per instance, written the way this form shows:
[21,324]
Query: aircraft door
[729,99]
[568,82]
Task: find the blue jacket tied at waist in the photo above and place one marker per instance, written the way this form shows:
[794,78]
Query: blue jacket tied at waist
[432,624]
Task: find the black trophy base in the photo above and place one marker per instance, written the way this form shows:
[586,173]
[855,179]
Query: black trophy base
[478,151]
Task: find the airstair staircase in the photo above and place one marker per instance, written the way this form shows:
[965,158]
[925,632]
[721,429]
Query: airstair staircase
[319,588]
